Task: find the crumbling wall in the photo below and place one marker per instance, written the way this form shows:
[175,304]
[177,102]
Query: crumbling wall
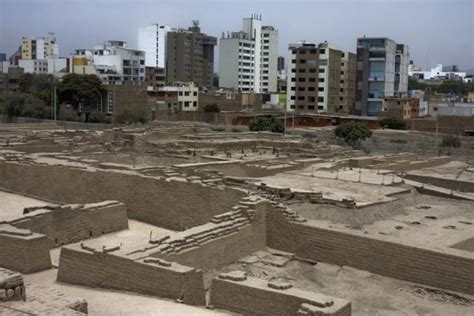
[23,251]
[170,204]
[106,270]
[251,296]
[71,223]
[377,256]
[210,248]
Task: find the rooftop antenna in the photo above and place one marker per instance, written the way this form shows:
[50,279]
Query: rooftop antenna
[196,23]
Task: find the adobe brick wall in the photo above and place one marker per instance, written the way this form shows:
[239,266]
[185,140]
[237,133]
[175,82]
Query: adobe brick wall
[225,249]
[105,270]
[169,204]
[71,223]
[453,184]
[25,254]
[253,297]
[377,256]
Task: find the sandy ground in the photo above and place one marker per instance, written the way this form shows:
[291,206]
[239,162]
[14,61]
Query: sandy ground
[362,193]
[369,293]
[137,236]
[12,205]
[105,302]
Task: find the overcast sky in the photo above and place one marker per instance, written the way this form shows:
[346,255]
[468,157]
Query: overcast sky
[437,31]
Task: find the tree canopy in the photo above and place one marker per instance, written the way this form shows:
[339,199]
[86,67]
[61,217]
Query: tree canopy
[26,105]
[353,132]
[211,108]
[75,89]
[267,124]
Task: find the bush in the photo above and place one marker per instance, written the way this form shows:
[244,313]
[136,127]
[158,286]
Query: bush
[211,108]
[97,117]
[218,129]
[353,132]
[130,115]
[267,124]
[393,123]
[451,142]
[236,130]
[25,105]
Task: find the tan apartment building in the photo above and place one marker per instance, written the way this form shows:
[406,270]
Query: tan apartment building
[190,56]
[39,48]
[320,79]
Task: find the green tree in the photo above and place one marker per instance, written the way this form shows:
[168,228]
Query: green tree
[26,105]
[414,84]
[267,124]
[129,115]
[393,123]
[353,132]
[75,89]
[211,108]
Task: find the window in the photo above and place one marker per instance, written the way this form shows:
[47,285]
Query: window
[293,79]
[311,89]
[293,88]
[312,51]
[342,72]
[293,61]
[312,79]
[342,81]
[301,79]
[321,89]
[321,79]
[302,70]
[292,97]
[301,98]
[301,88]
[293,70]
[186,94]
[320,99]
[195,93]
[311,99]
[302,61]
[310,107]
[322,70]
[341,99]
[341,90]
[195,104]
[322,51]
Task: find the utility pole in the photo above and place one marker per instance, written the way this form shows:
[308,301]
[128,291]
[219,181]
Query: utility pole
[411,137]
[54,100]
[284,130]
[436,137]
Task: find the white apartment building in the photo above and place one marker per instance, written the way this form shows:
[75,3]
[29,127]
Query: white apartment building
[53,66]
[181,96]
[248,59]
[434,73]
[152,40]
[114,63]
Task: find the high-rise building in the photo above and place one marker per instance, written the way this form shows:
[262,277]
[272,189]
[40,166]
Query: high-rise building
[3,57]
[382,71]
[320,78]
[39,47]
[152,40]
[190,56]
[248,59]
[112,61]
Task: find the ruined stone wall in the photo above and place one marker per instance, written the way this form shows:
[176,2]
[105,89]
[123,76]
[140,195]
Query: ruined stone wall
[25,254]
[72,223]
[97,269]
[170,204]
[377,256]
[253,297]
[223,249]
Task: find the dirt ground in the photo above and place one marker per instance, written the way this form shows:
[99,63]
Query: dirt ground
[12,205]
[369,293]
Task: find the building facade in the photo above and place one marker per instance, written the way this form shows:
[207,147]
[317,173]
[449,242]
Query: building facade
[382,71]
[320,79]
[39,47]
[178,97]
[112,61]
[249,59]
[152,40]
[190,56]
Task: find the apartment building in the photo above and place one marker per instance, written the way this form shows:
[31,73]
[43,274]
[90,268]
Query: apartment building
[190,56]
[152,40]
[180,96]
[320,79]
[112,61]
[249,58]
[39,47]
[382,71]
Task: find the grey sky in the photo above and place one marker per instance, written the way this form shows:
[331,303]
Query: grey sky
[436,31]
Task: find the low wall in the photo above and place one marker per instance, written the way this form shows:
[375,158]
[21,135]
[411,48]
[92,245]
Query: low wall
[71,223]
[173,205]
[23,251]
[452,184]
[253,297]
[215,245]
[377,256]
[105,270]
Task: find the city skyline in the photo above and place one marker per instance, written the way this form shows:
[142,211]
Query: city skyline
[416,23]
